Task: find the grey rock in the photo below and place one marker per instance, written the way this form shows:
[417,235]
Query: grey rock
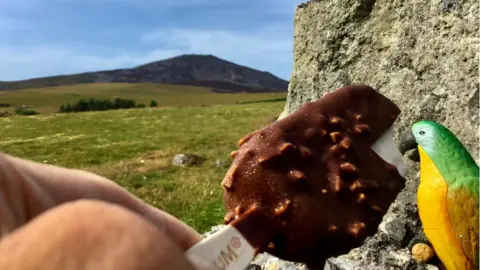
[186,160]
[253,267]
[396,231]
[371,256]
[448,5]
[422,55]
[338,264]
[422,58]
[267,261]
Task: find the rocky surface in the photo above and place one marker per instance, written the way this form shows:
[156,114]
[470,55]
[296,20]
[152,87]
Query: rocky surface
[423,55]
[187,160]
[191,69]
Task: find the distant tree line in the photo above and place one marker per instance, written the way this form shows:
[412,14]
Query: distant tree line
[85,105]
[25,111]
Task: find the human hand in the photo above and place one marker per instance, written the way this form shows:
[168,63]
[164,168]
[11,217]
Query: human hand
[58,218]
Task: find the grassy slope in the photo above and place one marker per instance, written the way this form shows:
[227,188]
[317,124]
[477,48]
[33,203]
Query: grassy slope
[49,99]
[135,148]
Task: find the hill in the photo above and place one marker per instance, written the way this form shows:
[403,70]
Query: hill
[189,69]
[49,99]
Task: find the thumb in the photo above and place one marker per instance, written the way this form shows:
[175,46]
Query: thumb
[32,188]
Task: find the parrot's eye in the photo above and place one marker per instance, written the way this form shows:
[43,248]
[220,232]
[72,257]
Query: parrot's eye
[422,132]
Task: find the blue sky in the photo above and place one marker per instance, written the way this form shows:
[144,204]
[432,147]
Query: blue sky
[51,37]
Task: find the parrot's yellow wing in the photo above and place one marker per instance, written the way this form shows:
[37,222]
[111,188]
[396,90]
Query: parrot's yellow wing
[449,217]
[463,211]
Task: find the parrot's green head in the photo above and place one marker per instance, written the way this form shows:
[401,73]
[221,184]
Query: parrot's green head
[444,149]
[431,136]
[423,133]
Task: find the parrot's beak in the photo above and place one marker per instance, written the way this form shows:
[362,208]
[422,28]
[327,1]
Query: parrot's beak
[408,143]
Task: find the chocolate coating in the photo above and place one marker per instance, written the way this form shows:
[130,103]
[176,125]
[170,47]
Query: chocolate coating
[314,176]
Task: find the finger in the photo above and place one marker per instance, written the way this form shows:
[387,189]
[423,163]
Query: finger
[90,235]
[30,188]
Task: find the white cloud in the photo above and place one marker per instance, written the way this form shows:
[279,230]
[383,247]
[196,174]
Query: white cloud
[27,62]
[265,49]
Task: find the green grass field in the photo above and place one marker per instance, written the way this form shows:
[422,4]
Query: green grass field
[47,100]
[135,147]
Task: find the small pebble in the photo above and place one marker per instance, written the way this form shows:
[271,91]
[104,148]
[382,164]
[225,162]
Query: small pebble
[422,252]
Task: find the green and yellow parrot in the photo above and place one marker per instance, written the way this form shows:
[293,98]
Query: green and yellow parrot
[447,196]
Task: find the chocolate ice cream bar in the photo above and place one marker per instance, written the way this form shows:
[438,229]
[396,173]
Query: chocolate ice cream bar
[316,183]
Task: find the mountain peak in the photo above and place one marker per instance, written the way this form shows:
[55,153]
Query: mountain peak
[187,57]
[187,69]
